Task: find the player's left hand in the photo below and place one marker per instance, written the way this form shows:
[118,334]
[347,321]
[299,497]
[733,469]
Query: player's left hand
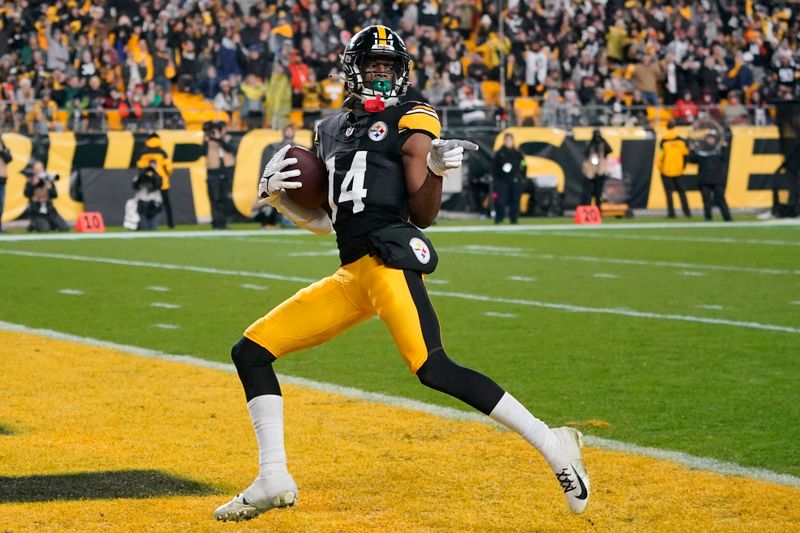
[447,155]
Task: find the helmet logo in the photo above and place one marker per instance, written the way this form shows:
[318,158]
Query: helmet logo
[378,131]
[383,40]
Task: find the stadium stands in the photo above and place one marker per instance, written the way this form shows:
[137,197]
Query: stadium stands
[91,65]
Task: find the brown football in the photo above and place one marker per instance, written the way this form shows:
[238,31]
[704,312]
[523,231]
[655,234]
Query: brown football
[313,176]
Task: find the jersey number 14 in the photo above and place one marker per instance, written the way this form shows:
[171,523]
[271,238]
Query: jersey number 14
[352,189]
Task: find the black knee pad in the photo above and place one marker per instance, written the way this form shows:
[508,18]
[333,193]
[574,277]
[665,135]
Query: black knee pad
[254,366]
[246,353]
[441,373]
[436,370]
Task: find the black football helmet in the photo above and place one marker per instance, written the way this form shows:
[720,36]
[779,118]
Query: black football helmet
[375,41]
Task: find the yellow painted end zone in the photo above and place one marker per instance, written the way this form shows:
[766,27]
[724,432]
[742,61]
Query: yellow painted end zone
[360,466]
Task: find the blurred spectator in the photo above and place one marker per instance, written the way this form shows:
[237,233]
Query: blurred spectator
[210,82]
[5,159]
[253,91]
[298,71]
[169,116]
[759,111]
[279,98]
[471,107]
[646,76]
[226,100]
[735,112]
[685,110]
[313,98]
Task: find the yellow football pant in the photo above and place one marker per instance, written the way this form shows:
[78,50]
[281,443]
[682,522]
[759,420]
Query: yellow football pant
[354,293]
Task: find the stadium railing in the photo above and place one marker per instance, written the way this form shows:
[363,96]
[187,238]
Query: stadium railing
[521,112]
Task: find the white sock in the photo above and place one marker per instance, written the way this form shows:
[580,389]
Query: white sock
[266,413]
[515,417]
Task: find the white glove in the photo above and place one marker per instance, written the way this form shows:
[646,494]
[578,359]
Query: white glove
[314,220]
[447,155]
[274,178]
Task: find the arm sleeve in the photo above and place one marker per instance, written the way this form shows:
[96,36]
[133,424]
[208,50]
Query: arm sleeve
[314,220]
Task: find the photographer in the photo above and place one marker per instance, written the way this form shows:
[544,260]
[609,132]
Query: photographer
[153,156]
[508,166]
[40,191]
[710,157]
[5,159]
[594,169]
[141,210]
[220,162]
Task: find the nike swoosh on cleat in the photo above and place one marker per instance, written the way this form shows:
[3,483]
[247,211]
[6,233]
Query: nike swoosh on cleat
[584,493]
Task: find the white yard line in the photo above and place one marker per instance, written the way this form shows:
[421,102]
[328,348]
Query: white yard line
[71,292]
[691,461]
[332,252]
[714,240]
[166,326]
[250,286]
[157,288]
[615,311]
[500,315]
[443,294]
[165,305]
[519,252]
[523,228]
[525,279]
[605,275]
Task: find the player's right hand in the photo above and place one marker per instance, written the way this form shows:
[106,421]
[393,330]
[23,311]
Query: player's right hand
[275,178]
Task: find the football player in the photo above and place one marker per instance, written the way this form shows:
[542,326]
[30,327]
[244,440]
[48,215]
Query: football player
[386,164]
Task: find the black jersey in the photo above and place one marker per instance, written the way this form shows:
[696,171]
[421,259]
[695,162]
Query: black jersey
[366,179]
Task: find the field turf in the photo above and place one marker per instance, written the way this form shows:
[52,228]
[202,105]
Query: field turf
[682,338]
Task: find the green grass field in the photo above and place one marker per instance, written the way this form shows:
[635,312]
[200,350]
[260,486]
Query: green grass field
[679,338]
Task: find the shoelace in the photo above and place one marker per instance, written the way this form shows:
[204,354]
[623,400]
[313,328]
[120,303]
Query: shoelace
[566,481]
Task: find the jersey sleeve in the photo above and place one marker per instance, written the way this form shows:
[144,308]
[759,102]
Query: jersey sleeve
[419,118]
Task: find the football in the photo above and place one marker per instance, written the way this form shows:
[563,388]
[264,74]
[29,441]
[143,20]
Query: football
[313,176]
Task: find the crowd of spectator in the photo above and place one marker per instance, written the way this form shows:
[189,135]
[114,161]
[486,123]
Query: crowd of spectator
[67,63]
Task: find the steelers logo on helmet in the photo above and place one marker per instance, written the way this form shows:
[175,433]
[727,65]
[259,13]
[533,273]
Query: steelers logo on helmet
[376,42]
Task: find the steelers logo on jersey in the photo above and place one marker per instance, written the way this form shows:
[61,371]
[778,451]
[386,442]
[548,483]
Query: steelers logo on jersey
[420,249]
[378,131]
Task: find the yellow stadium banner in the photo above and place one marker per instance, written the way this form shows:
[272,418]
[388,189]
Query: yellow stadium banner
[753,158]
